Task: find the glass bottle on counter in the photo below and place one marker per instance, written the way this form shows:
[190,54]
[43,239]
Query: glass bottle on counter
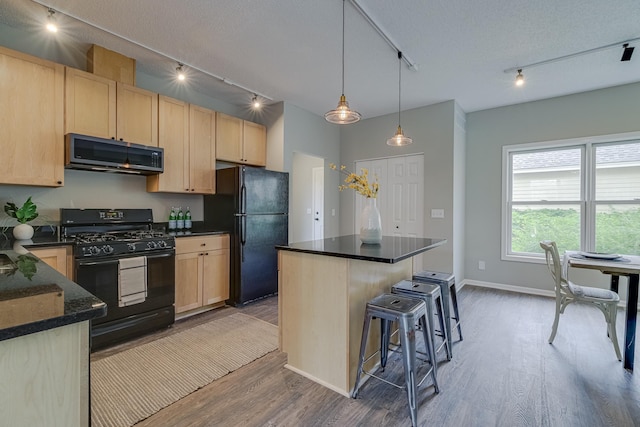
[187,219]
[180,219]
[172,219]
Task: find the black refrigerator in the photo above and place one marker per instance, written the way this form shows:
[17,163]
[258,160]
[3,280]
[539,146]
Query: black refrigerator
[252,204]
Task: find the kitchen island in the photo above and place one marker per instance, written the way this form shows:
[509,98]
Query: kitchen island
[323,288]
[44,344]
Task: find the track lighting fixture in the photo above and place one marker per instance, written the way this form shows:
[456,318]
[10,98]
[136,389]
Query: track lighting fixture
[180,72]
[255,102]
[399,139]
[342,114]
[519,78]
[626,56]
[51,21]
[627,52]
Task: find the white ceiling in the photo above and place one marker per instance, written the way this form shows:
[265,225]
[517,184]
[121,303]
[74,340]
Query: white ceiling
[290,50]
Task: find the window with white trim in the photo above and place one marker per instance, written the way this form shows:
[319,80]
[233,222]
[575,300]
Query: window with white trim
[583,194]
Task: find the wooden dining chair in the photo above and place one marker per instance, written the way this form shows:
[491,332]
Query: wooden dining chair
[568,292]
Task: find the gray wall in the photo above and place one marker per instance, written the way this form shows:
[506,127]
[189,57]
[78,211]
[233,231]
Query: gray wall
[432,130]
[307,133]
[601,112]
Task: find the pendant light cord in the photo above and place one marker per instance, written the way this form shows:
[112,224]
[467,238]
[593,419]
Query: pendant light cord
[343,2]
[399,83]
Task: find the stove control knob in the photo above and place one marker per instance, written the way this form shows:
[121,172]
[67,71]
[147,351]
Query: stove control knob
[107,249]
[162,244]
[152,245]
[94,250]
[131,246]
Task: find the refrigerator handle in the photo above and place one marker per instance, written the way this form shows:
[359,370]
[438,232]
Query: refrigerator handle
[243,199]
[243,240]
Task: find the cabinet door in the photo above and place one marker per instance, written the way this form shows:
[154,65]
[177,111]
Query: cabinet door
[31,120]
[89,104]
[54,257]
[229,138]
[189,269]
[173,136]
[202,131]
[136,115]
[254,144]
[215,283]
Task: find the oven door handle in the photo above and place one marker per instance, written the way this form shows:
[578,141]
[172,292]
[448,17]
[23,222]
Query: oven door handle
[164,255]
[102,262]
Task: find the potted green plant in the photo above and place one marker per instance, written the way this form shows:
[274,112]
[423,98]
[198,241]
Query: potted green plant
[24,214]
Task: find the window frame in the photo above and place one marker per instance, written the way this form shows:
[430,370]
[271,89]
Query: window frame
[587,202]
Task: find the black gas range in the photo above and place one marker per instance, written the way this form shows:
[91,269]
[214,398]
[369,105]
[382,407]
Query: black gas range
[122,260]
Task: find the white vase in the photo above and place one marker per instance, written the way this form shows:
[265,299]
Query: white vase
[23,232]
[370,223]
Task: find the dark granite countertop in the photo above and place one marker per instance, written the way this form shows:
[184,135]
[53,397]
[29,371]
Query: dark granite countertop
[199,228]
[44,236]
[392,249]
[32,274]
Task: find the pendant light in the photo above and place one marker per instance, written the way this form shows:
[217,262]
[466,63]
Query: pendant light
[342,114]
[399,139]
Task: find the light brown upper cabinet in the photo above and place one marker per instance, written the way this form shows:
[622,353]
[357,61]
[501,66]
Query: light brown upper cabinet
[31,120]
[173,137]
[136,115]
[90,104]
[97,106]
[240,141]
[202,149]
[189,164]
[254,143]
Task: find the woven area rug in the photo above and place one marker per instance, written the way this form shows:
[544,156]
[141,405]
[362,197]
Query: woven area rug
[136,383]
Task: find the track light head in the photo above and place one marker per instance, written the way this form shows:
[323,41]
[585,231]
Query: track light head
[180,75]
[255,102]
[519,78]
[51,22]
[627,52]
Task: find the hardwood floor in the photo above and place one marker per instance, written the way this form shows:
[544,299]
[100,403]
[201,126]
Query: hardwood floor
[504,373]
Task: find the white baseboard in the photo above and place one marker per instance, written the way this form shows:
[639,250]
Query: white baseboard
[519,289]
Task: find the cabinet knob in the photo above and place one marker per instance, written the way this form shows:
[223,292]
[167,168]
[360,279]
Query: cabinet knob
[203,244]
[59,182]
[206,253]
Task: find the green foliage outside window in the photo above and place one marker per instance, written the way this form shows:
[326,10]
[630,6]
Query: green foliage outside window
[617,231]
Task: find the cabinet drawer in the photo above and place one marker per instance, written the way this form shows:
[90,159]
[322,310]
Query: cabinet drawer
[200,243]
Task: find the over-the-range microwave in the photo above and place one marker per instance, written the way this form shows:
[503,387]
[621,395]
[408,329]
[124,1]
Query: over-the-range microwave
[110,155]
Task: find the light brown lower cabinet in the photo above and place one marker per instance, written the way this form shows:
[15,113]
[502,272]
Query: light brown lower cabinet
[202,272]
[59,257]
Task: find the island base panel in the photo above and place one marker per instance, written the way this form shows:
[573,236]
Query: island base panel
[322,302]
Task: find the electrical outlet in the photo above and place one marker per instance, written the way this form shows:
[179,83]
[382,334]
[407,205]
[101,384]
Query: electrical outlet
[333,212]
[481,265]
[437,213]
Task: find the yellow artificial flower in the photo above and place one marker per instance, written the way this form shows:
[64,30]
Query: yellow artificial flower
[359,183]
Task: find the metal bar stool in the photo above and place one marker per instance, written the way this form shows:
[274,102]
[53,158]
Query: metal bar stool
[447,284]
[406,311]
[430,293]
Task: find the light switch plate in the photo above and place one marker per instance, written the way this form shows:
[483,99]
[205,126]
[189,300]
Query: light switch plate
[437,213]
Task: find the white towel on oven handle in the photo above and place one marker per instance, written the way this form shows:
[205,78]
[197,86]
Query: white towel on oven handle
[132,281]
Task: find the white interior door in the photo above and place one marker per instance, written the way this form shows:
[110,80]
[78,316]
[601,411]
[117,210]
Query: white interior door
[318,203]
[401,196]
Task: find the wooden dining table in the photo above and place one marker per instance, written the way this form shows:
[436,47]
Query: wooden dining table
[624,265]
